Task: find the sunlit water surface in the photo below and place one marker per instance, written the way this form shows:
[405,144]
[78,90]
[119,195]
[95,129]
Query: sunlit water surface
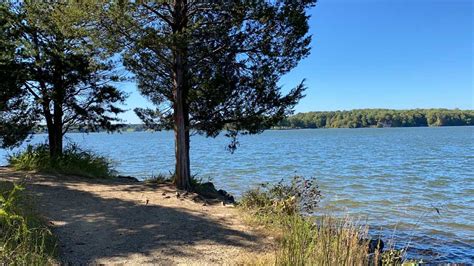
[394,178]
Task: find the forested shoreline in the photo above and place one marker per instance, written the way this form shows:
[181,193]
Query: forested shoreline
[359,118]
[380,118]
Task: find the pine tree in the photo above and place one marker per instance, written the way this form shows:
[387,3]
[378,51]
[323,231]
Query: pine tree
[210,66]
[52,72]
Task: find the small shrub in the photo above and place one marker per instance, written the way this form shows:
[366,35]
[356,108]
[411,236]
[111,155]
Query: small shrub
[258,200]
[33,158]
[392,257]
[304,239]
[300,196]
[24,239]
[159,179]
[74,161]
[312,240]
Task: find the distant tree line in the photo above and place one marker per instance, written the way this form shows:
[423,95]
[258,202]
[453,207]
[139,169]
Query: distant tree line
[380,118]
[350,119]
[123,128]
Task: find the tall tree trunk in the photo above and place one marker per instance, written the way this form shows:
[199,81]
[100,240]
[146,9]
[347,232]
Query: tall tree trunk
[181,115]
[55,142]
[54,137]
[186,118]
[181,132]
[58,96]
[51,137]
[58,131]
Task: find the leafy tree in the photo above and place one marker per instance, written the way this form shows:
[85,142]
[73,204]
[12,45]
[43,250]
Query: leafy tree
[210,66]
[51,72]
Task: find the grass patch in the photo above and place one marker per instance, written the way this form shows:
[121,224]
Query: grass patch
[24,237]
[159,179]
[322,241]
[303,239]
[74,161]
[162,178]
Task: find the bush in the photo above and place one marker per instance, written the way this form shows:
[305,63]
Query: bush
[304,239]
[74,161]
[24,239]
[312,240]
[300,196]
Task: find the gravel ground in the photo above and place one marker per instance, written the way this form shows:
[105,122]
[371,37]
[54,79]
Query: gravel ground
[120,222]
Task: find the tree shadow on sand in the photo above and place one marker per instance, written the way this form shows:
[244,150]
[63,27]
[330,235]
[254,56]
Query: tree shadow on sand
[92,228]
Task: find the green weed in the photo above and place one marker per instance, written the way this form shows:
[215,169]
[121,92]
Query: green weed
[24,238]
[74,161]
[309,240]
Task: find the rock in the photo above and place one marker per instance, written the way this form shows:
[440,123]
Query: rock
[128,178]
[228,198]
[208,191]
[374,245]
[198,199]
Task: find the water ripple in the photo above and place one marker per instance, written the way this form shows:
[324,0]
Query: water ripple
[396,178]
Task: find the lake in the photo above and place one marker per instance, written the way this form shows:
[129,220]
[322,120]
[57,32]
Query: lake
[395,178]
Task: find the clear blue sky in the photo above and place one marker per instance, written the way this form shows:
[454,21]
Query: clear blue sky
[396,54]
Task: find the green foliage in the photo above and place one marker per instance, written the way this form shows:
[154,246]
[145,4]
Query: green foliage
[74,161]
[24,239]
[311,240]
[210,66]
[299,196]
[231,55]
[380,118]
[52,72]
[305,240]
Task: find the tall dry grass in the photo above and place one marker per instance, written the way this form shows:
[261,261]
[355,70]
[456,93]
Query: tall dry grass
[306,239]
[323,240]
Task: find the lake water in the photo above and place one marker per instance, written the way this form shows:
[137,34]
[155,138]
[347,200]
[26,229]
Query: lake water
[394,177]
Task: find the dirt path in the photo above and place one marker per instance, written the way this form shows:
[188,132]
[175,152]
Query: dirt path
[118,222]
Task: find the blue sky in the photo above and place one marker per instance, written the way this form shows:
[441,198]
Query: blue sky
[396,54]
